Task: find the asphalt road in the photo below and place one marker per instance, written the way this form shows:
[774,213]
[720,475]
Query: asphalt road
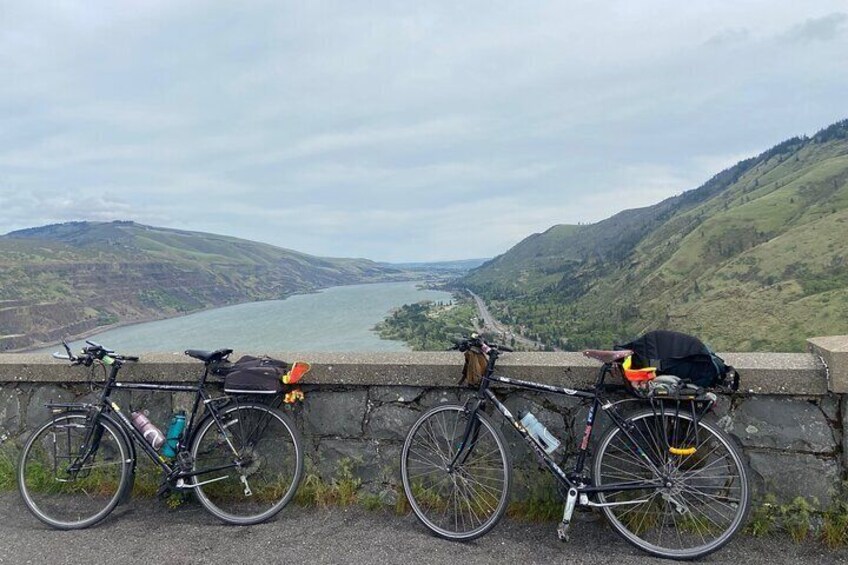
[147,532]
[492,325]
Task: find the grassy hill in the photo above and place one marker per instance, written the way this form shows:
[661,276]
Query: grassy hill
[67,279]
[755,259]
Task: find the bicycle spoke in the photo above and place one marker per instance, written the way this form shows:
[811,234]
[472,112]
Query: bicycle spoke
[471,497]
[73,499]
[703,496]
[268,464]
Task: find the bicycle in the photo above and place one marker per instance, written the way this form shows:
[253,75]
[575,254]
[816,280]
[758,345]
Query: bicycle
[670,482]
[242,458]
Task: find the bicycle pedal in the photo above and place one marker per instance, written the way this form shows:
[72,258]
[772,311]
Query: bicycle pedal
[185,461]
[563,531]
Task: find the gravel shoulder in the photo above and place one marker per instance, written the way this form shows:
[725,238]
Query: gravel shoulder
[146,531]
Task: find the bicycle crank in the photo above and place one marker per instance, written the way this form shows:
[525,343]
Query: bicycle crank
[565,525]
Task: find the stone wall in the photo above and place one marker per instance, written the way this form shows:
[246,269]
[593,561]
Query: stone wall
[360,406]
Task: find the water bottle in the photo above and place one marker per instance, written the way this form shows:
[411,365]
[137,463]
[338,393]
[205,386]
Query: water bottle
[175,430]
[148,429]
[535,428]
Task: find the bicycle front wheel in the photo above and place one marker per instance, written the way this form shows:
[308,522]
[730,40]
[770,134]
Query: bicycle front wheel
[248,467]
[59,487]
[701,495]
[466,501]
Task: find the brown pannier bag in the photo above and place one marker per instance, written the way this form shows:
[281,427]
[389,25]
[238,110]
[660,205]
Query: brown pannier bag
[475,367]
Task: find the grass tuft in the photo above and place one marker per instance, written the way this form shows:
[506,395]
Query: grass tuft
[342,490]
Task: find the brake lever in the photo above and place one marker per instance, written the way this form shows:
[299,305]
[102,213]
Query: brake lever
[68,356]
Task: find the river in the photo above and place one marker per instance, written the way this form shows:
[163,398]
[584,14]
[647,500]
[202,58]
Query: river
[335,319]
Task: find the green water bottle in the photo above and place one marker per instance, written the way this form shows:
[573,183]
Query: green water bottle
[175,430]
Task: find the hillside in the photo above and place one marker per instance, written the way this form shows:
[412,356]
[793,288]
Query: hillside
[754,259]
[68,279]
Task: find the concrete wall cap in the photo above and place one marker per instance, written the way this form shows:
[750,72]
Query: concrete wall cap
[833,350]
[764,373]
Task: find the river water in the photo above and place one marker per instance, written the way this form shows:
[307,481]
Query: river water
[336,319]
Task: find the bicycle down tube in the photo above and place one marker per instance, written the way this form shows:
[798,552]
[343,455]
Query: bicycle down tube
[584,444]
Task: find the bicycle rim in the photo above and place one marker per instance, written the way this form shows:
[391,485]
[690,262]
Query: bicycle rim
[468,501]
[252,469]
[704,497]
[64,498]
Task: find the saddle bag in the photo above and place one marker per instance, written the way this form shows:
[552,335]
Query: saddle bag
[254,375]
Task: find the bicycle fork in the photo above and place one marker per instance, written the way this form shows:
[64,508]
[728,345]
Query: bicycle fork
[90,444]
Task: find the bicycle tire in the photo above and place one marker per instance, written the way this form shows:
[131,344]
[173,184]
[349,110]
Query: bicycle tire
[478,488]
[705,497]
[78,500]
[271,451]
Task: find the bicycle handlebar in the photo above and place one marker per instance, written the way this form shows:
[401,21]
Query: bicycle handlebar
[478,341]
[92,352]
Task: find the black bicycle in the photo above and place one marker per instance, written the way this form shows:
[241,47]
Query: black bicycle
[242,458]
[668,480]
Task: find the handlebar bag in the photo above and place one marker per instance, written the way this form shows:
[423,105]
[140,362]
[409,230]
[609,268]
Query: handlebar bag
[475,367]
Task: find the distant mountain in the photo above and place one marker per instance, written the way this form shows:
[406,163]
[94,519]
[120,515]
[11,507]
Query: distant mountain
[68,279]
[449,267]
[755,259]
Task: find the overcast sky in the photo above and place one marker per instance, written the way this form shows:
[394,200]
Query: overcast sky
[396,130]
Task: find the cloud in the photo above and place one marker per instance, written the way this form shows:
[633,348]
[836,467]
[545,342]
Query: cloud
[395,131]
[825,28]
[729,36]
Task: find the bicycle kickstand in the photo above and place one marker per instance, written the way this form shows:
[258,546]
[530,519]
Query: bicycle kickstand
[570,503]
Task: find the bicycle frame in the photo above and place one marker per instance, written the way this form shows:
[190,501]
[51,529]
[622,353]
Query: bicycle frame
[107,404]
[573,481]
[653,474]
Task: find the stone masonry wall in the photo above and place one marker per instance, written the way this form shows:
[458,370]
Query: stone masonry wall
[359,407]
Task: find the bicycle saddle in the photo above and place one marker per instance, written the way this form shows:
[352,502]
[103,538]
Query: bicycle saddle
[607,356]
[208,356]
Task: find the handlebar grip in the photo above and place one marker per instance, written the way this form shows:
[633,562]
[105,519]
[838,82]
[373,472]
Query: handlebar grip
[129,357]
[93,346]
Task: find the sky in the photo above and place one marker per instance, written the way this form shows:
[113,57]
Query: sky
[396,131]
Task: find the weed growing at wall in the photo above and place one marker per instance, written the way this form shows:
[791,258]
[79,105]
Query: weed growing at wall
[8,460]
[802,520]
[834,530]
[402,507]
[342,490]
[542,502]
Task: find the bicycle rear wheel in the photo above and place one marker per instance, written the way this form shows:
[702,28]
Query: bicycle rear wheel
[466,502]
[703,495]
[249,470]
[67,498]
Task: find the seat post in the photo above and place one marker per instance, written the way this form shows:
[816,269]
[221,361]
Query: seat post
[602,373]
